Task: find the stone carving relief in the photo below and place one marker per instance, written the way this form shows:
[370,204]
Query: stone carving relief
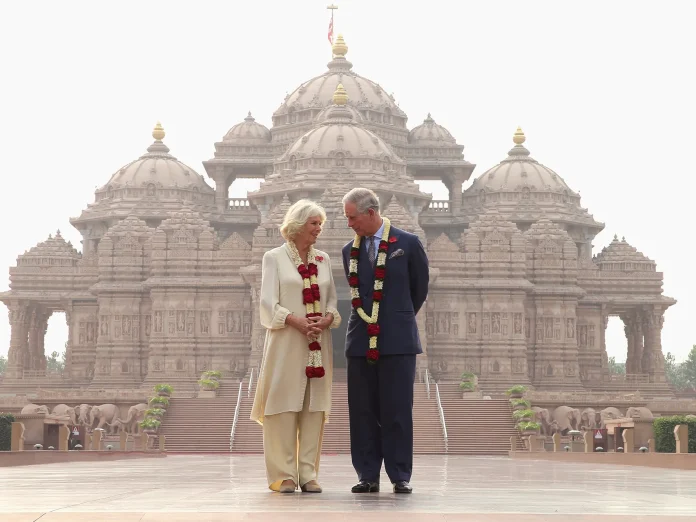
[517,323]
[158,322]
[570,328]
[205,326]
[471,325]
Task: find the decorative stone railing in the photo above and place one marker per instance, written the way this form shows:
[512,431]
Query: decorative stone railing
[439,205]
[239,204]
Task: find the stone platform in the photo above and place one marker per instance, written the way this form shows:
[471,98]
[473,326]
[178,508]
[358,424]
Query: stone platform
[446,489]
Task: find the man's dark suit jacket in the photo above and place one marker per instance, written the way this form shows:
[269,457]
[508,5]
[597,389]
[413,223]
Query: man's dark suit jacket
[405,290]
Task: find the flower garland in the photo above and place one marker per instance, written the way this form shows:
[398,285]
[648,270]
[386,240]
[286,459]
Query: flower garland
[377,293]
[311,300]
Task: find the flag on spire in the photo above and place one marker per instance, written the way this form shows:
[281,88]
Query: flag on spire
[331,23]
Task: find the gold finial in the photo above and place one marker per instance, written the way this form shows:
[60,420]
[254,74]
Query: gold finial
[339,47]
[519,137]
[158,132]
[340,96]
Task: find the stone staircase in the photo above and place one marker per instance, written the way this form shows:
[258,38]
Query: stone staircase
[201,425]
[427,430]
[477,427]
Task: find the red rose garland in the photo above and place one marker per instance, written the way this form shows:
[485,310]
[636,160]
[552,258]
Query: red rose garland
[311,299]
[377,293]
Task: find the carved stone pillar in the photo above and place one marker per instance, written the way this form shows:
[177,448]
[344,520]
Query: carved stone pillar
[18,343]
[41,351]
[638,343]
[223,180]
[653,354]
[603,343]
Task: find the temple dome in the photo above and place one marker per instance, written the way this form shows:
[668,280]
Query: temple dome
[520,170]
[340,135]
[317,93]
[430,133]
[151,172]
[248,132]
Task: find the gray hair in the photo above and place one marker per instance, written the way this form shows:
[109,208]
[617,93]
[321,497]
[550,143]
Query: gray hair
[363,198]
[297,216]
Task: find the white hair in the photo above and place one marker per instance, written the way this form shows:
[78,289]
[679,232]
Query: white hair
[363,198]
[297,216]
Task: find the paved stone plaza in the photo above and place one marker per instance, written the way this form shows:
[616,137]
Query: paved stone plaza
[220,487]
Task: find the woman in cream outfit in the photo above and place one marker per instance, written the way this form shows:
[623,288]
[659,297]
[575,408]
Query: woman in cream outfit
[291,407]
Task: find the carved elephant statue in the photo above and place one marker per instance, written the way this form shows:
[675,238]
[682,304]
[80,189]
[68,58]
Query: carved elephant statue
[103,414]
[63,410]
[567,418]
[642,413]
[83,414]
[608,414]
[34,409]
[589,419]
[130,424]
[543,417]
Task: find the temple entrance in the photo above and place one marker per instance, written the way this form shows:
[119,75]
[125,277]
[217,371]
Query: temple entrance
[338,335]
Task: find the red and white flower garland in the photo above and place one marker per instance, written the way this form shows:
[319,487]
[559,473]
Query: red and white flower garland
[311,299]
[353,281]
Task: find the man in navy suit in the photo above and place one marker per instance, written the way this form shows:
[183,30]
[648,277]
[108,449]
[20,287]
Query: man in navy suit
[380,393]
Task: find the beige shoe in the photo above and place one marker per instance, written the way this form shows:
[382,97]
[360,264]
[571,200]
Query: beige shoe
[311,487]
[287,486]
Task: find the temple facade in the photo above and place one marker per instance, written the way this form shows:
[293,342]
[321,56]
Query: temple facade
[167,281]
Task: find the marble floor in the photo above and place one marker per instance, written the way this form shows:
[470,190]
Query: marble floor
[446,489]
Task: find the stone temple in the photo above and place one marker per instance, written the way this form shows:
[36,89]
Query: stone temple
[167,281]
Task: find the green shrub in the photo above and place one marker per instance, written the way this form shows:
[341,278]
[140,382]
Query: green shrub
[523,426]
[164,388]
[212,374]
[159,402]
[523,414]
[155,412]
[150,424]
[517,388]
[6,420]
[466,385]
[520,402]
[663,427]
[209,383]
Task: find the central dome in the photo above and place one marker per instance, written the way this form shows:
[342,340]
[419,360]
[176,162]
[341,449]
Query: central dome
[340,137]
[316,94]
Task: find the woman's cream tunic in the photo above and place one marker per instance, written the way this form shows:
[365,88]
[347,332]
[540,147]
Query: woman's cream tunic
[282,380]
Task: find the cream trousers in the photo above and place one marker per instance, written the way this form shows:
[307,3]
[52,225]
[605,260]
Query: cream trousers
[292,445]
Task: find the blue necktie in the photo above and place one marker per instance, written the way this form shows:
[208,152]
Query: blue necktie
[371,250]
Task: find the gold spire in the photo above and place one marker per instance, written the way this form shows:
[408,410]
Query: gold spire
[339,47]
[519,137]
[340,96]
[158,132]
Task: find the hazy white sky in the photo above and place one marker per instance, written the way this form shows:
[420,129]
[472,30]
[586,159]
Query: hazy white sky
[603,90]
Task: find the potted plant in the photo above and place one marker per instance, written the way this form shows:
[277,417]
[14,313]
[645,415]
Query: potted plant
[159,402]
[523,415]
[516,392]
[164,390]
[520,404]
[150,425]
[528,428]
[211,374]
[469,383]
[155,413]
[209,384]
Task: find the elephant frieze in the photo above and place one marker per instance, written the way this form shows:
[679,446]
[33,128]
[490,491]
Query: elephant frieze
[103,414]
[567,418]
[34,409]
[131,424]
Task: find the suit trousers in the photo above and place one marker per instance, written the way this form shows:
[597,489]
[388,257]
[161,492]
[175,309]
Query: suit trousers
[292,444]
[380,406]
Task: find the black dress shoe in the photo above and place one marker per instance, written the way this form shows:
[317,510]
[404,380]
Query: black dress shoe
[402,487]
[365,487]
